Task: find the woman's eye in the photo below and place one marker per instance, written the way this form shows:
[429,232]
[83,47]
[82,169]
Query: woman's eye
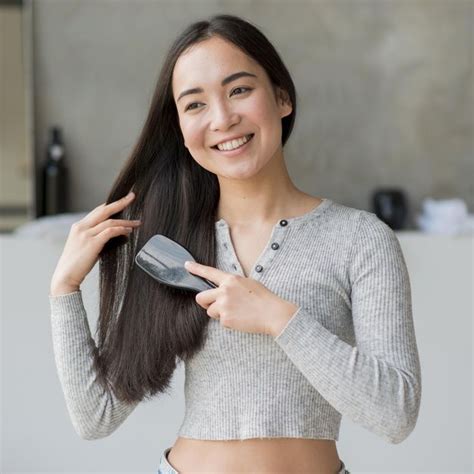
[237,88]
[189,106]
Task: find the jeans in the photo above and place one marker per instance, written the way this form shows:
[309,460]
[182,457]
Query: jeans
[167,468]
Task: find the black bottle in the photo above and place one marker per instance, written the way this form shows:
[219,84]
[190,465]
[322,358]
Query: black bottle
[55,176]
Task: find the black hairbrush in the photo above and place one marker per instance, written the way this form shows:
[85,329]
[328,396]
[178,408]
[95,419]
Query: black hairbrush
[163,259]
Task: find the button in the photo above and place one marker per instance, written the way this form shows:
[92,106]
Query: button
[275,246]
[258,268]
[283,222]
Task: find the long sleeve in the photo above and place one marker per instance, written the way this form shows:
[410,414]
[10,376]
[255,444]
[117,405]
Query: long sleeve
[94,412]
[376,383]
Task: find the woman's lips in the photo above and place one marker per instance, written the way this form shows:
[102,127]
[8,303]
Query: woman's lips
[236,151]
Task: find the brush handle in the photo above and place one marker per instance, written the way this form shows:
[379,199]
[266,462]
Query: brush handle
[211,284]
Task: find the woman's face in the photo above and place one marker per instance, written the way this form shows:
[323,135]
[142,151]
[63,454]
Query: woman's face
[243,106]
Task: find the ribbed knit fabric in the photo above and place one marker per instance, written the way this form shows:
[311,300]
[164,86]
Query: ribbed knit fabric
[349,349]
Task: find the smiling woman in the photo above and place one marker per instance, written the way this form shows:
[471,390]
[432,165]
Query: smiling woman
[310,318]
[233,108]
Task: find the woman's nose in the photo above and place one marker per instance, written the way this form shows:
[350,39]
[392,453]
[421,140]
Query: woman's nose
[223,117]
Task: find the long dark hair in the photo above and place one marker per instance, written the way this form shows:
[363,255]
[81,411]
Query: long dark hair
[143,325]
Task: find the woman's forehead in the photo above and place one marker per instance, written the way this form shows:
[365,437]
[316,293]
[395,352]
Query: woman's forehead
[210,61]
[211,50]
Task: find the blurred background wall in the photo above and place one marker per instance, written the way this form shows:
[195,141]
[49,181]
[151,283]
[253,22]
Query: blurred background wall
[385,89]
[385,93]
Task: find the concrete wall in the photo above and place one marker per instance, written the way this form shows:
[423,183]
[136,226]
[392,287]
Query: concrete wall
[385,88]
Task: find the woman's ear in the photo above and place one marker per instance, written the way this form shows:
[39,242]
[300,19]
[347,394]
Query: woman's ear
[283,101]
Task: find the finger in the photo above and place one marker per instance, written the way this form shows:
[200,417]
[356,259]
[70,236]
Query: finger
[213,315]
[207,297]
[210,273]
[114,223]
[111,232]
[213,312]
[104,211]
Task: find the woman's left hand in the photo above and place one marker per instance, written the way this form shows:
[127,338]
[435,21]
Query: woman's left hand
[242,303]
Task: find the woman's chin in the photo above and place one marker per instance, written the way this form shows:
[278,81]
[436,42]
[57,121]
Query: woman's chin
[241,171]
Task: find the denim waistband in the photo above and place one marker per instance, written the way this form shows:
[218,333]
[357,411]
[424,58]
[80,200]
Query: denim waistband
[166,468]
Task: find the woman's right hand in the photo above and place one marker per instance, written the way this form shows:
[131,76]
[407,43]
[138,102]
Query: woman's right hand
[85,241]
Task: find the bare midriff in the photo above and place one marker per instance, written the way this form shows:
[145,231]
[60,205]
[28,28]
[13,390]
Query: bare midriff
[256,455]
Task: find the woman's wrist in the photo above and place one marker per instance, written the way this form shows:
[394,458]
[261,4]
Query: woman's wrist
[62,289]
[282,317]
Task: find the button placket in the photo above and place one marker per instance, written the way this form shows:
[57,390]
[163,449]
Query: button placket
[269,253]
[228,254]
[264,258]
[231,251]
[277,237]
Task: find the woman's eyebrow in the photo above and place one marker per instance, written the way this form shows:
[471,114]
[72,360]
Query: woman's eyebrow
[226,80]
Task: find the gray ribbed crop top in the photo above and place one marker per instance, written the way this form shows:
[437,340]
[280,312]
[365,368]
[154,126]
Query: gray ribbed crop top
[349,350]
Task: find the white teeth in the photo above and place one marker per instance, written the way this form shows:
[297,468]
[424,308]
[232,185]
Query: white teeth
[232,144]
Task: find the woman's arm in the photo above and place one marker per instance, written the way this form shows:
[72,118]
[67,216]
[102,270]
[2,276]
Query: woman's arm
[377,383]
[94,412]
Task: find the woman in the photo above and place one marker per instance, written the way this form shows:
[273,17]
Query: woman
[311,317]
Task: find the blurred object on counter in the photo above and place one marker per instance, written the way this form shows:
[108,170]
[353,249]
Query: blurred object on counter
[446,217]
[55,176]
[390,206]
[49,227]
